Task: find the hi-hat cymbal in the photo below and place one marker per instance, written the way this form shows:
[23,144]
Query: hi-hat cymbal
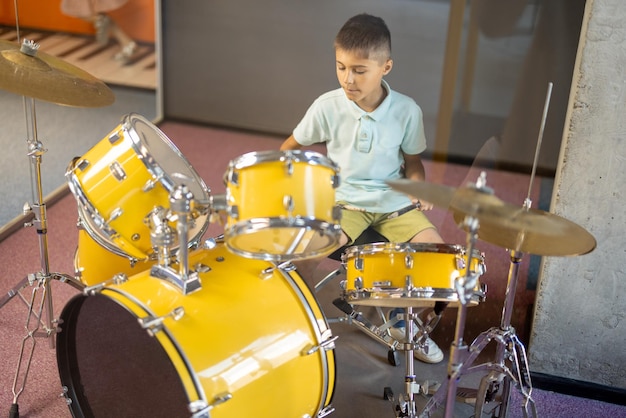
[561,238]
[32,73]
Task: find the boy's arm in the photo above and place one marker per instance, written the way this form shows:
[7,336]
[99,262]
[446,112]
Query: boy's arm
[414,170]
[413,167]
[289,144]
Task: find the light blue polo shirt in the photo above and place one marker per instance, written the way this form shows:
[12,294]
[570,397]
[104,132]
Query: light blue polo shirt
[367,146]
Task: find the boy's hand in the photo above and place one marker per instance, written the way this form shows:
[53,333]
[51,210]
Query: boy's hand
[422,205]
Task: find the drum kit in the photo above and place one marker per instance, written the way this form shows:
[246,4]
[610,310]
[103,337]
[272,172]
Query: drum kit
[148,278]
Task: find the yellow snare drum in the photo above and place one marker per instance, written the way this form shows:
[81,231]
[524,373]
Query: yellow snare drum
[251,342]
[93,264]
[402,275]
[119,181]
[281,205]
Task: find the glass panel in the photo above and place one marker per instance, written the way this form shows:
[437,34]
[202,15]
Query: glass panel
[513,56]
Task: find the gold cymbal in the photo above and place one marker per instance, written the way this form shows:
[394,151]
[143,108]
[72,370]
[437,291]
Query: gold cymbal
[436,194]
[500,223]
[470,201]
[26,71]
[561,237]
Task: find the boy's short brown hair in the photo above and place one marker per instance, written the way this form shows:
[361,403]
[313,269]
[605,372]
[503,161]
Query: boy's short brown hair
[367,35]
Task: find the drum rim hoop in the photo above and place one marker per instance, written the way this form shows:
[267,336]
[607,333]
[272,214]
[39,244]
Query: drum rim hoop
[259,157]
[407,247]
[142,148]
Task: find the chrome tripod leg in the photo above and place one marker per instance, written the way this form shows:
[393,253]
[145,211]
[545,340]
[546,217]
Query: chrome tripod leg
[32,279]
[379,334]
[33,324]
[494,392]
[15,291]
[405,405]
[352,317]
[523,377]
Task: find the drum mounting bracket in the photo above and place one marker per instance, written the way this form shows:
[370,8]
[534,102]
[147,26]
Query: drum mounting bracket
[187,283]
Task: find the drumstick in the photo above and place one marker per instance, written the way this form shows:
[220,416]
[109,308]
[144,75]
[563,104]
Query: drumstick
[405,209]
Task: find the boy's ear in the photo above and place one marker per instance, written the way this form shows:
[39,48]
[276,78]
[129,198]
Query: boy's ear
[387,66]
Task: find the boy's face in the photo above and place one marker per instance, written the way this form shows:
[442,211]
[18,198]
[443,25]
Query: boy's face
[361,77]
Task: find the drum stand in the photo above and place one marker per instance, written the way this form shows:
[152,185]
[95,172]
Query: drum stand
[353,317]
[40,280]
[499,376]
[405,405]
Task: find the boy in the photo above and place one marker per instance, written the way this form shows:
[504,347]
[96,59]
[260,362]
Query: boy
[374,134]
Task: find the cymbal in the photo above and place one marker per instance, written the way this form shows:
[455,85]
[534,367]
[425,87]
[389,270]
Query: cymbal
[470,201]
[438,195]
[26,71]
[562,238]
[500,223]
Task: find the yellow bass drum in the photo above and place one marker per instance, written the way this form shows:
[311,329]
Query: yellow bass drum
[251,342]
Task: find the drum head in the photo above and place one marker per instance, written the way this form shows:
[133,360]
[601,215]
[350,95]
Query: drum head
[283,240]
[155,150]
[112,367]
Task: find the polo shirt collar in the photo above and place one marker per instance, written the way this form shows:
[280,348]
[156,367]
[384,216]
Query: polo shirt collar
[380,111]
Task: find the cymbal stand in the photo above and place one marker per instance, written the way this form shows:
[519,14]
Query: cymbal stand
[509,346]
[499,376]
[41,280]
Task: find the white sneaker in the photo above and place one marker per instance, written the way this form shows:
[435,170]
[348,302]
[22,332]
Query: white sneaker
[429,352]
[126,53]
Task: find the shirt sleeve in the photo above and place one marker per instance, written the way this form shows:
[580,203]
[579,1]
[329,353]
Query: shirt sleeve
[311,129]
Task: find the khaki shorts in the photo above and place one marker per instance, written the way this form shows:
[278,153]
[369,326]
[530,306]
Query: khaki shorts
[399,229]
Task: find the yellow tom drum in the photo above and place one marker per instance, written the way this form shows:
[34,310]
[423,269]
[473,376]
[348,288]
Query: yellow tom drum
[119,181]
[281,205]
[94,264]
[251,342]
[408,274]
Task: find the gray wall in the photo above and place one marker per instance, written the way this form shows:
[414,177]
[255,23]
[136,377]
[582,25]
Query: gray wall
[259,65]
[580,316]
